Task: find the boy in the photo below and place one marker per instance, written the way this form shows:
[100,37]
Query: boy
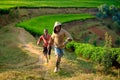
[58,40]
[45,38]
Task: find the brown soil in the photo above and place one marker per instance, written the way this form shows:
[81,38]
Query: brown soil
[98,31]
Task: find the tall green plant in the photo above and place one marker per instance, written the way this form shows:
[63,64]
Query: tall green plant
[107,58]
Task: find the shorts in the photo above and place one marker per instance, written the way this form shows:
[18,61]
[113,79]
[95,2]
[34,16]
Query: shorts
[59,51]
[47,50]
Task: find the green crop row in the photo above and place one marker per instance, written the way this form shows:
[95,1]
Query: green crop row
[56,3]
[95,54]
[38,24]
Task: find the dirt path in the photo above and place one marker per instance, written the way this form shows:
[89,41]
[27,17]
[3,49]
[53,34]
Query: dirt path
[33,49]
[36,50]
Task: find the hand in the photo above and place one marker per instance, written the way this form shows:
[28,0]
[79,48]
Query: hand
[69,40]
[37,43]
[48,46]
[65,43]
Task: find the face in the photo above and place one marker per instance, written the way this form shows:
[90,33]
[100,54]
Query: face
[45,32]
[58,28]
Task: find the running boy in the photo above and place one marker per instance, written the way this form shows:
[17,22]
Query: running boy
[58,40]
[45,38]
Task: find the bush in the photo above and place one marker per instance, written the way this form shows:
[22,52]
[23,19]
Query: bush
[118,21]
[99,14]
[117,42]
[70,46]
[4,11]
[114,18]
[98,55]
[118,59]
[112,12]
[116,26]
[103,11]
[118,14]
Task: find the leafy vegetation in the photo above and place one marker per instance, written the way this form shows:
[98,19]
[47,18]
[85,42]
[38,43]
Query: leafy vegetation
[107,58]
[95,54]
[38,24]
[112,12]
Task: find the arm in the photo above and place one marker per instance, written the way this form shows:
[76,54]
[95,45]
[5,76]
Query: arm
[69,37]
[39,40]
[51,40]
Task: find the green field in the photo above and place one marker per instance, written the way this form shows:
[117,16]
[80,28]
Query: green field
[56,3]
[37,25]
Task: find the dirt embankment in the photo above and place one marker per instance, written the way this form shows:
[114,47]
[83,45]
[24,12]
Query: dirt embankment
[26,13]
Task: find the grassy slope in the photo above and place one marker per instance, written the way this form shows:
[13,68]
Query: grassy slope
[57,3]
[12,56]
[9,42]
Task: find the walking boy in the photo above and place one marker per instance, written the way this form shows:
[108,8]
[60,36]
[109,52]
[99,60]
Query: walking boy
[45,38]
[58,40]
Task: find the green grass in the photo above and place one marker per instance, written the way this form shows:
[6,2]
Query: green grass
[37,25]
[56,3]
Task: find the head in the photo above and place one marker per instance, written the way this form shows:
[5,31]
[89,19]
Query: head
[57,27]
[45,31]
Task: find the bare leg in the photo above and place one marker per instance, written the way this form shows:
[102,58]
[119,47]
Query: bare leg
[46,57]
[49,51]
[58,59]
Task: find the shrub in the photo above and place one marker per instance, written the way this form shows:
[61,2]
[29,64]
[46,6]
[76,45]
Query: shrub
[118,59]
[107,61]
[112,12]
[70,46]
[114,18]
[116,26]
[115,55]
[117,42]
[98,55]
[4,11]
[118,14]
[103,11]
